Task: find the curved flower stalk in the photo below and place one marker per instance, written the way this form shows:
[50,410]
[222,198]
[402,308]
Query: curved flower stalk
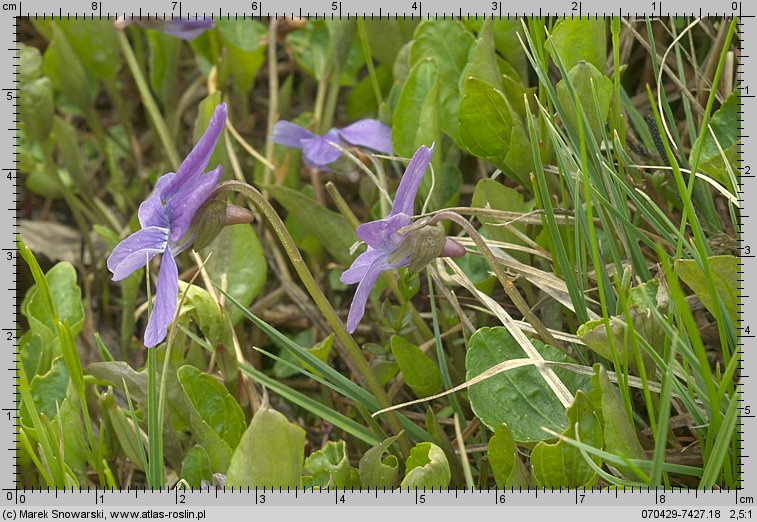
[166,217]
[392,243]
[184,28]
[316,151]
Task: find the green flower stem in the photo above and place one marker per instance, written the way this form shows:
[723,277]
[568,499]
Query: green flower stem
[507,285]
[148,100]
[320,300]
[320,98]
[327,118]
[154,424]
[273,101]
[369,62]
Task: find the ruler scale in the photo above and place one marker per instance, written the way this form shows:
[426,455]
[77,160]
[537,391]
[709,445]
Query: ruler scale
[623,503]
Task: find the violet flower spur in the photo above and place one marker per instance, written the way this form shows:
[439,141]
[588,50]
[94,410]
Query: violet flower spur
[316,151]
[165,218]
[391,247]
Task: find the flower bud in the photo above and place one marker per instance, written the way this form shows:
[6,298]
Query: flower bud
[212,217]
[424,245]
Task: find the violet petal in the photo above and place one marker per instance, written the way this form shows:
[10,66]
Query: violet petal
[187,29]
[371,134]
[183,205]
[165,301]
[357,308]
[360,266]
[136,250]
[317,152]
[152,211]
[404,199]
[199,156]
[289,134]
[381,234]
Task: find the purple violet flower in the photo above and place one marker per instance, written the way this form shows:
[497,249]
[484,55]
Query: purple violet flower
[165,218]
[316,151]
[385,238]
[184,28]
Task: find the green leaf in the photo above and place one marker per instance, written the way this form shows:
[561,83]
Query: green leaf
[577,40]
[75,447]
[313,50]
[67,141]
[377,471]
[116,373]
[206,314]
[309,46]
[416,119]
[65,296]
[426,466]
[321,350]
[37,109]
[619,434]
[217,420]
[483,60]
[245,51]
[361,101]
[331,229]
[124,431]
[35,353]
[30,63]
[341,35]
[196,467]
[725,126]
[446,185]
[104,59]
[489,130]
[520,398]
[420,372]
[588,84]
[642,298]
[238,257]
[163,65]
[508,469]
[270,453]
[517,94]
[448,44]
[67,73]
[329,466]
[492,194]
[725,273]
[506,43]
[387,36]
[560,464]
[48,391]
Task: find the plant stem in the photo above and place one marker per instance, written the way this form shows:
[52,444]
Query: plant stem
[273,99]
[327,118]
[154,446]
[320,97]
[354,351]
[148,100]
[369,62]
